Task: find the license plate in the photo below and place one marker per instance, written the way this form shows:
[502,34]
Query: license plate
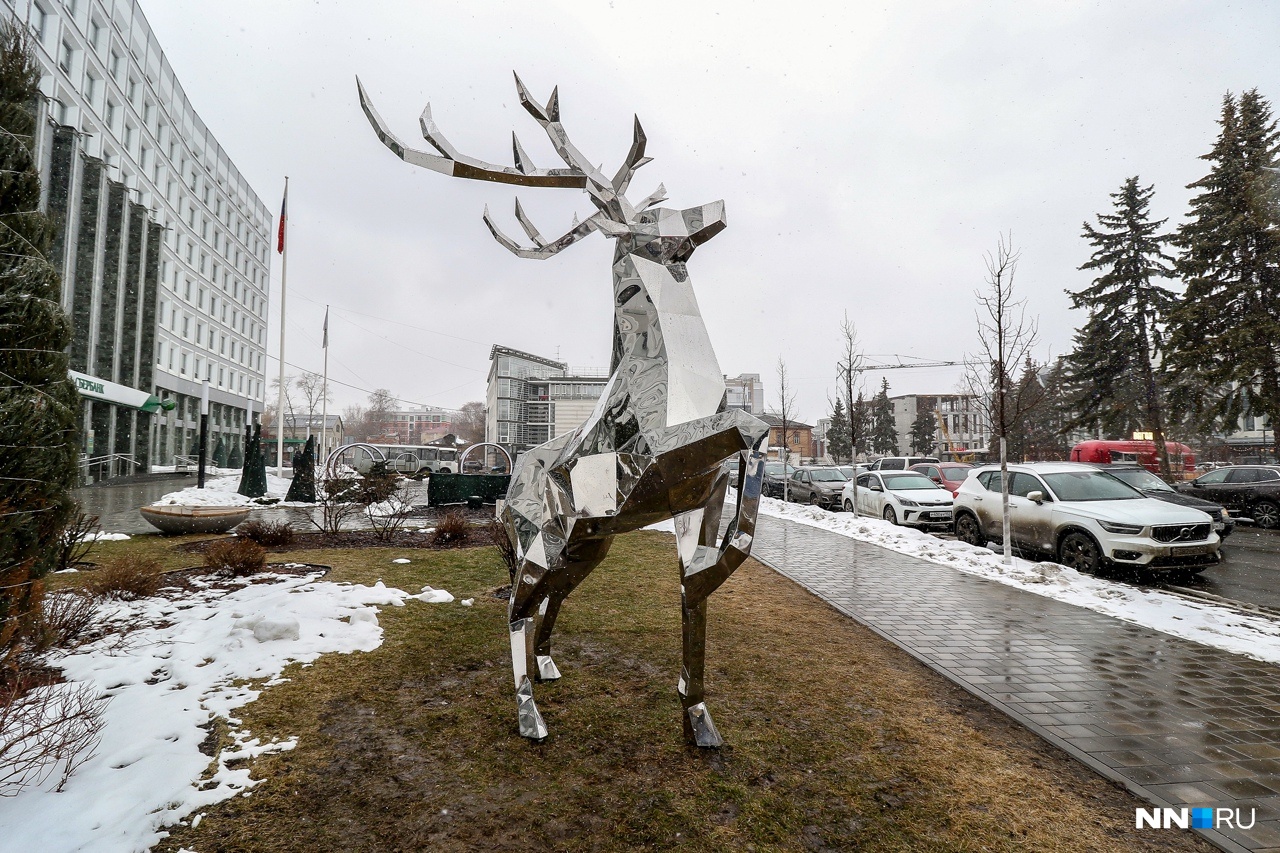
[937,515]
[1190,551]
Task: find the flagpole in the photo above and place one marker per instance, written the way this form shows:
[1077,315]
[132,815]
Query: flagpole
[324,391]
[284,273]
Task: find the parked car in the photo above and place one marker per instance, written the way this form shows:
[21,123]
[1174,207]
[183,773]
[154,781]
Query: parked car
[899,497]
[1247,491]
[818,486]
[851,471]
[1085,519]
[900,463]
[774,474]
[1153,487]
[949,475]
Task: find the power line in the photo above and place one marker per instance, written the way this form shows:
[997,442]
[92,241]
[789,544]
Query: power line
[370,391]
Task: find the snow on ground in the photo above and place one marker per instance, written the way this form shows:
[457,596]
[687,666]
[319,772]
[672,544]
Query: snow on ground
[209,470]
[106,537]
[1210,624]
[221,491]
[184,665]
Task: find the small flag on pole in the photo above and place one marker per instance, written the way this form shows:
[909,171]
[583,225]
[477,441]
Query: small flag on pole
[325,343]
[284,216]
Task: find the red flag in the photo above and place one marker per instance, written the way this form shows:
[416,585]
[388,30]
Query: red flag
[284,216]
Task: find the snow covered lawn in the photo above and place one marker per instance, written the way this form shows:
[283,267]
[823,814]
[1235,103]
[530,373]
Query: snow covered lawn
[184,663]
[1211,624]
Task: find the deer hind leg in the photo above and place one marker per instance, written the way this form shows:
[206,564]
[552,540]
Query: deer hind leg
[704,568]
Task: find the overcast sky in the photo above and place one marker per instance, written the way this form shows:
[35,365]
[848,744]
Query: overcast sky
[868,156]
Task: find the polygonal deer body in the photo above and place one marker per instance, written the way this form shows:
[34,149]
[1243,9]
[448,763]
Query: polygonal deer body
[653,446]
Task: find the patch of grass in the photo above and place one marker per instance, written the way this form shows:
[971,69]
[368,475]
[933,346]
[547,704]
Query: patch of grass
[837,739]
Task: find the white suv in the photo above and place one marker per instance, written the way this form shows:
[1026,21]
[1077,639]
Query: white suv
[1084,518]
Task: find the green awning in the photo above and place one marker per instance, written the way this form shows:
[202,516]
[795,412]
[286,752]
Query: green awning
[120,395]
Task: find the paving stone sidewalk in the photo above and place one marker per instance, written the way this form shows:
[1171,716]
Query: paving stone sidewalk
[1178,723]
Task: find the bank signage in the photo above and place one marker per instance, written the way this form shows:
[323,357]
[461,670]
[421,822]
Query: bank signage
[119,395]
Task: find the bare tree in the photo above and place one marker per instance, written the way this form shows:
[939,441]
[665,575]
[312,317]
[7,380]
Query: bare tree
[1006,338]
[355,423]
[270,415]
[848,374]
[470,423]
[786,412]
[381,405]
[312,387]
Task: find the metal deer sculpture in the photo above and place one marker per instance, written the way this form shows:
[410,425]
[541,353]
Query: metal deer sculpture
[654,444]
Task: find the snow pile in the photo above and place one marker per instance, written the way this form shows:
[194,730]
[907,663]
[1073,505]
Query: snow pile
[183,665]
[1209,624]
[106,537]
[221,491]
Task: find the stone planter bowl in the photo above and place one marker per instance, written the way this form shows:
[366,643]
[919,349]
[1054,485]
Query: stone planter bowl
[173,520]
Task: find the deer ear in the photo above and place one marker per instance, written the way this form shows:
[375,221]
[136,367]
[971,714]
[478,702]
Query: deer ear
[609,228]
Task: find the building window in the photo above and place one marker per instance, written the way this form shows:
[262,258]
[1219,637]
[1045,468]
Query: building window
[115,65]
[95,33]
[39,21]
[66,55]
[183,364]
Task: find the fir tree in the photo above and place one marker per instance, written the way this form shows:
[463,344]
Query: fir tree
[1112,373]
[838,433]
[923,430]
[860,425]
[884,435]
[39,406]
[1224,329]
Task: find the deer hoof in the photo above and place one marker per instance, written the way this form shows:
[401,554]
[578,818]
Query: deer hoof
[547,670]
[700,728]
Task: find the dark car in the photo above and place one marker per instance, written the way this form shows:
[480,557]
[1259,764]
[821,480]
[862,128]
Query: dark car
[774,474]
[1153,487]
[817,486]
[1247,491]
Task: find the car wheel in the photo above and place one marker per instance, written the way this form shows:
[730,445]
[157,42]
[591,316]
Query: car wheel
[814,500]
[1266,515]
[968,531]
[1078,551]
[890,516]
[848,505]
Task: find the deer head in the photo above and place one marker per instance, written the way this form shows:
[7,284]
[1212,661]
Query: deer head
[662,234]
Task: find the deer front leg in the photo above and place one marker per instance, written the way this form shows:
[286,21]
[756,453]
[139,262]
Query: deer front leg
[704,568]
[522,661]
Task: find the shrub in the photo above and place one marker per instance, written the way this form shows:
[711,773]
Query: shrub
[76,539]
[126,578]
[388,517]
[452,531]
[498,536]
[45,731]
[337,501]
[236,557]
[378,485]
[269,534]
[61,622]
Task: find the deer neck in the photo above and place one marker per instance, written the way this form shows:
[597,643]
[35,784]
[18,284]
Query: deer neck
[662,355]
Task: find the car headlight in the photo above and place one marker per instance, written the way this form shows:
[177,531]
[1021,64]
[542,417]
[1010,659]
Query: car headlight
[1113,527]
[908,502]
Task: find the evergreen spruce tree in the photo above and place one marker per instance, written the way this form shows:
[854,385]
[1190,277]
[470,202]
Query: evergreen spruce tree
[1112,372]
[838,433]
[39,406]
[923,430]
[860,425]
[884,435]
[1223,332]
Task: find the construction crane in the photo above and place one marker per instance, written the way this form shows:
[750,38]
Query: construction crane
[900,366]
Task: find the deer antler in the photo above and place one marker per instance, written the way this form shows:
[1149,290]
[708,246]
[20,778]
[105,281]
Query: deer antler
[543,249]
[450,162]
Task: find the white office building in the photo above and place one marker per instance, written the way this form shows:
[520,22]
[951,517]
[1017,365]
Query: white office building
[163,247]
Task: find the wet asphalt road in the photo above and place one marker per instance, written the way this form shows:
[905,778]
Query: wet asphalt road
[1249,571]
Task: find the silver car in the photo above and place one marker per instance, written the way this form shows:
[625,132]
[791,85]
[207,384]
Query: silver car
[1085,519]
